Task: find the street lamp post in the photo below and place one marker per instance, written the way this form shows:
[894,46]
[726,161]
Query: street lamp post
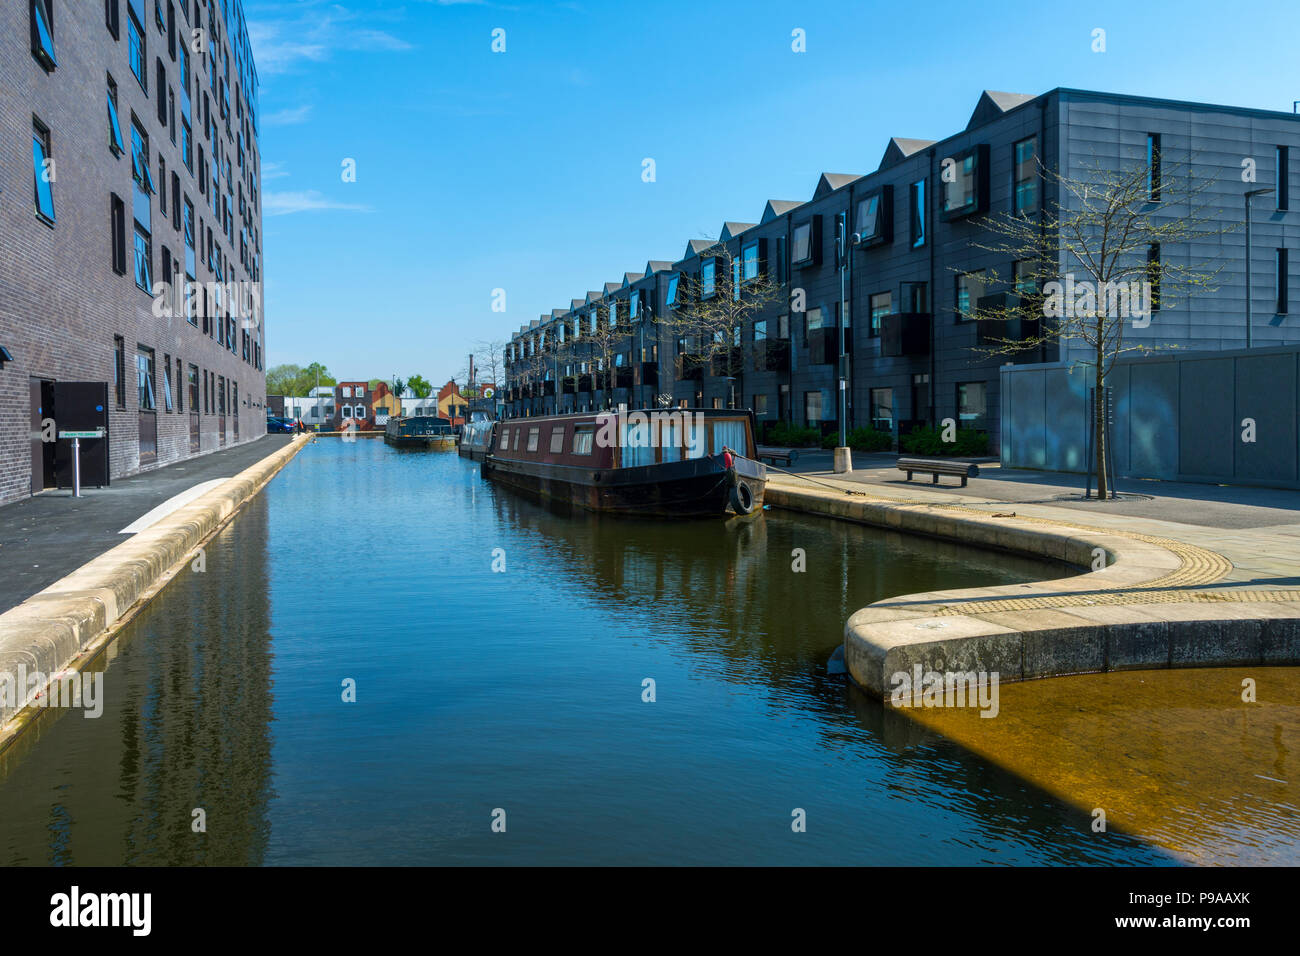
[844,245]
[1251,194]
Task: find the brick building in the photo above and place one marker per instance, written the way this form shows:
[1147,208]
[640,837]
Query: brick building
[130,229]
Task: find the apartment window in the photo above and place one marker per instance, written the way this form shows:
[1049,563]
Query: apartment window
[1022,278]
[119,370]
[194,388]
[964,195]
[112,17]
[190,264]
[916,205]
[812,407]
[1153,166]
[783,402]
[143,259]
[347,391]
[971,402]
[880,304]
[915,297]
[144,379]
[633,306]
[783,327]
[180,396]
[167,383]
[673,281]
[114,124]
[162,85]
[135,39]
[782,268]
[813,318]
[117,228]
[708,278]
[882,409]
[140,159]
[760,330]
[42,171]
[1153,274]
[1024,174]
[872,216]
[760,405]
[43,33]
[801,246]
[749,261]
[186,145]
[176,202]
[162,178]
[970,285]
[1282,267]
[1283,178]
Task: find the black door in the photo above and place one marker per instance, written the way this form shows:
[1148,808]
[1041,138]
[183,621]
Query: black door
[81,406]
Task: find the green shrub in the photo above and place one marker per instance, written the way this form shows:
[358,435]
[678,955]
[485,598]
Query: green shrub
[929,442]
[870,439]
[785,435]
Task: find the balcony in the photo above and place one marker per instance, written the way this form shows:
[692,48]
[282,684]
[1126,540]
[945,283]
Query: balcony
[905,334]
[649,373]
[584,383]
[1013,319]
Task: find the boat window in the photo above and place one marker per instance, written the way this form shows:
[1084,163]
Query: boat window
[557,439]
[532,437]
[637,447]
[731,434]
[518,432]
[583,439]
[505,439]
[670,440]
[696,446]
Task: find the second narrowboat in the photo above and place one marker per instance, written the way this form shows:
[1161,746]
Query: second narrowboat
[420,431]
[661,463]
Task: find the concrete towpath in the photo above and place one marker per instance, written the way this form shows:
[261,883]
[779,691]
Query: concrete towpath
[1183,575]
[50,535]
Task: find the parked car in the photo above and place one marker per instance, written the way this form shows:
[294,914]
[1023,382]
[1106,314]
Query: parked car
[279,426]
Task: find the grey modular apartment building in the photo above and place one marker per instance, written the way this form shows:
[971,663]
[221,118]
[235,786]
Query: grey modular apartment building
[130,233]
[915,350]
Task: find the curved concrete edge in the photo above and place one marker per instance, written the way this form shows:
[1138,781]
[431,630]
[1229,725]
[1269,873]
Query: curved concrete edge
[895,635]
[61,627]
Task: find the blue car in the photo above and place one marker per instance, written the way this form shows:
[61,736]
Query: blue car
[279,426]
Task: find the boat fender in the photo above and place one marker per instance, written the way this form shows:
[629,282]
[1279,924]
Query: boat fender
[742,497]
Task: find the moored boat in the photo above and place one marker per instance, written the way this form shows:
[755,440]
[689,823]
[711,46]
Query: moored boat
[420,431]
[664,463]
[476,437]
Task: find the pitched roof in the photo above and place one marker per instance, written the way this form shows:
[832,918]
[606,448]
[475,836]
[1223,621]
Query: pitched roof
[593,296]
[556,313]
[696,246]
[732,229]
[830,182]
[612,287]
[657,265]
[630,277]
[900,147]
[993,104]
[576,304]
[776,208]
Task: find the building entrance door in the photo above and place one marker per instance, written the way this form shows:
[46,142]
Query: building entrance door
[42,398]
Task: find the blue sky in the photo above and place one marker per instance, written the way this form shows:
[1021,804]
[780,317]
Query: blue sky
[521,170]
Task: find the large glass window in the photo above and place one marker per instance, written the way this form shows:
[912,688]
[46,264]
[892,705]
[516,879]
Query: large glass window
[869,218]
[970,286]
[881,304]
[144,379]
[801,250]
[42,170]
[971,402]
[137,51]
[673,281]
[749,262]
[43,34]
[917,207]
[114,125]
[143,259]
[882,409]
[708,278]
[1025,176]
[140,160]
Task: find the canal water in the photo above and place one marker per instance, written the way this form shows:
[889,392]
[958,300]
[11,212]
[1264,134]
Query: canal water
[518,695]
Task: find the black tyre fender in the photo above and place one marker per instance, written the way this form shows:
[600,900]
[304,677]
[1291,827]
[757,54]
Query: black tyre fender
[742,497]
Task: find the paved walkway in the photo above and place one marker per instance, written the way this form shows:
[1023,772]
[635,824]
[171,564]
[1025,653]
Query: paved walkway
[1238,539]
[50,535]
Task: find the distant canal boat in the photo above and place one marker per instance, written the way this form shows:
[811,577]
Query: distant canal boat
[420,431]
[476,438]
[663,463]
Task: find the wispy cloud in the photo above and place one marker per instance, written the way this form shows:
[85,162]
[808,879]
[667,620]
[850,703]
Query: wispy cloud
[273,170]
[310,200]
[289,117]
[313,33]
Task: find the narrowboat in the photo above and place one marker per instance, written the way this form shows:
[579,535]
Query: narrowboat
[661,463]
[420,431]
[476,437]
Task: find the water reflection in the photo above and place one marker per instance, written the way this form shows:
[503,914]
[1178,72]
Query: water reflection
[186,725]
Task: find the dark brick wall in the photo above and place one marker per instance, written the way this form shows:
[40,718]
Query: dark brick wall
[61,303]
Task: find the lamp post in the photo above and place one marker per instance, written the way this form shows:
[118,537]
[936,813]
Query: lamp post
[1251,194]
[844,246]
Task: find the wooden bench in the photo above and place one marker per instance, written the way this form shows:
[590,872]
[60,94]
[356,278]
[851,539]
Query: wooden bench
[771,456]
[937,467]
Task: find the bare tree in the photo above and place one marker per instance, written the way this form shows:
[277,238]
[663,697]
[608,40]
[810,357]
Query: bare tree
[709,322]
[1090,263]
